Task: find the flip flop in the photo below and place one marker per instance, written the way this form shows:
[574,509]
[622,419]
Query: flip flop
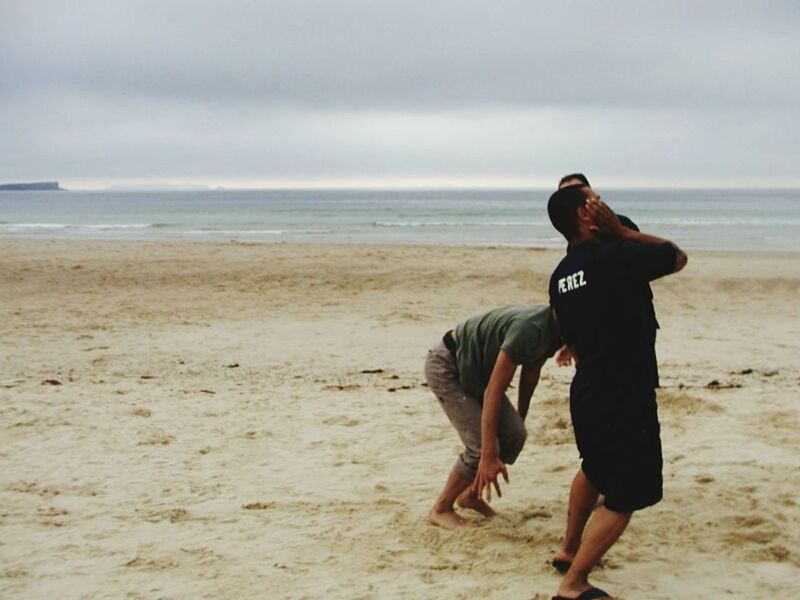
[561,565]
[589,594]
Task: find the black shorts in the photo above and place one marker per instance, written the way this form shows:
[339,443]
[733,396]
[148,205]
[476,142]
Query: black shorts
[622,457]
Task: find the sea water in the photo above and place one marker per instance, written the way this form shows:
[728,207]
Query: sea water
[738,219]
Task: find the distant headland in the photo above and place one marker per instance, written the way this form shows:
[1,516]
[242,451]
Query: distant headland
[39,186]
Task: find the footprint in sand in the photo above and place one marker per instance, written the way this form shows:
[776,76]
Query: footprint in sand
[13,573]
[51,511]
[157,439]
[752,529]
[341,420]
[259,506]
[152,564]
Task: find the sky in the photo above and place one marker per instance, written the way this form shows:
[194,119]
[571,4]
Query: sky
[298,93]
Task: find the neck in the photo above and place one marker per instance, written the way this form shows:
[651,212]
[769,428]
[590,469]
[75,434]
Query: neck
[583,236]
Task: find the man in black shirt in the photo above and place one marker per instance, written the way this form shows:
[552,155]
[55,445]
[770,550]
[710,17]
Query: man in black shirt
[565,355]
[603,314]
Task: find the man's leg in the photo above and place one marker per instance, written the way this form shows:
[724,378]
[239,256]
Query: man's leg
[511,437]
[582,500]
[443,512]
[464,413]
[603,530]
[468,499]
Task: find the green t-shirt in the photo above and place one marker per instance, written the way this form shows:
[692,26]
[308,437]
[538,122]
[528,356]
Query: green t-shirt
[526,333]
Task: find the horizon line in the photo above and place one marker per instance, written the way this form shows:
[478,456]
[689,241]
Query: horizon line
[367,184]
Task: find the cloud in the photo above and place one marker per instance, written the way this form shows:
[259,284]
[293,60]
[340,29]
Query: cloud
[395,55]
[393,89]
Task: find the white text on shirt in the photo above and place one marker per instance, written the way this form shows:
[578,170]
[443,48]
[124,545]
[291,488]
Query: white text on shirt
[571,282]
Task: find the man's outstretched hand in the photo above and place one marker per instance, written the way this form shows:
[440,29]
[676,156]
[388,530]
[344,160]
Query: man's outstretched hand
[565,356]
[488,471]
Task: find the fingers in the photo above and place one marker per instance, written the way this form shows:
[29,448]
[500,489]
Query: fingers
[595,204]
[477,487]
[605,221]
[564,357]
[496,483]
[598,208]
[486,489]
[484,482]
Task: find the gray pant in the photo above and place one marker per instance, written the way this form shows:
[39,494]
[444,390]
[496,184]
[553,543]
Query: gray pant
[464,412]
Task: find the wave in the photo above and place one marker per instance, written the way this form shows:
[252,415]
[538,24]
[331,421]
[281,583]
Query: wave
[167,228]
[705,222]
[91,226]
[210,230]
[655,221]
[36,226]
[457,224]
[119,226]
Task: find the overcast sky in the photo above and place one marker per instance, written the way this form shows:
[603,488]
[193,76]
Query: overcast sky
[412,93]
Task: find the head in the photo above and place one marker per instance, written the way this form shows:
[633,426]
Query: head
[567,211]
[573,179]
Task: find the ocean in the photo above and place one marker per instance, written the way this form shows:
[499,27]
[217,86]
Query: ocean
[738,219]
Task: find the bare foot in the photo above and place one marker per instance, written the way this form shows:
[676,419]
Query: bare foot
[448,519]
[468,499]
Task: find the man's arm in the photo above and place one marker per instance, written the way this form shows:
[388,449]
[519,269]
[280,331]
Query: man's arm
[528,380]
[609,225]
[490,465]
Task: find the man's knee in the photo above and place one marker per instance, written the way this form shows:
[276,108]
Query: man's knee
[467,463]
[512,445]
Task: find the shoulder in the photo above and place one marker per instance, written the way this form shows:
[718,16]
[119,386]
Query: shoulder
[559,269]
[629,259]
[617,249]
[624,249]
[571,258]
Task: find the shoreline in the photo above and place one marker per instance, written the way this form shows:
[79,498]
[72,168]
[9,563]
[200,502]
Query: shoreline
[11,240]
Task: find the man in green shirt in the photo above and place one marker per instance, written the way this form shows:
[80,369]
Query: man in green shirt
[469,371]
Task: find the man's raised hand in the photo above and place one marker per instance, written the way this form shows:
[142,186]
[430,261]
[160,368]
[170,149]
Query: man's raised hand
[607,223]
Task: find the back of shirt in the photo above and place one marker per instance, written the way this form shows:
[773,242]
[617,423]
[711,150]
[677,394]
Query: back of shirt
[526,333]
[596,291]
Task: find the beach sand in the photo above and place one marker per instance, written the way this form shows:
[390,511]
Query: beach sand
[236,420]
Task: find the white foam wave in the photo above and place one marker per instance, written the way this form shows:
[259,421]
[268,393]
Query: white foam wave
[210,231]
[457,223]
[89,226]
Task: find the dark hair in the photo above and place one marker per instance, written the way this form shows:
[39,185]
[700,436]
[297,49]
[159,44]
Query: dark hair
[563,208]
[579,176]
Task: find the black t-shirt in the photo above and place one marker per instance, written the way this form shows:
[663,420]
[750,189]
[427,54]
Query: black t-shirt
[604,307]
[646,287]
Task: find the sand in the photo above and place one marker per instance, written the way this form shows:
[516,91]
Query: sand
[249,421]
